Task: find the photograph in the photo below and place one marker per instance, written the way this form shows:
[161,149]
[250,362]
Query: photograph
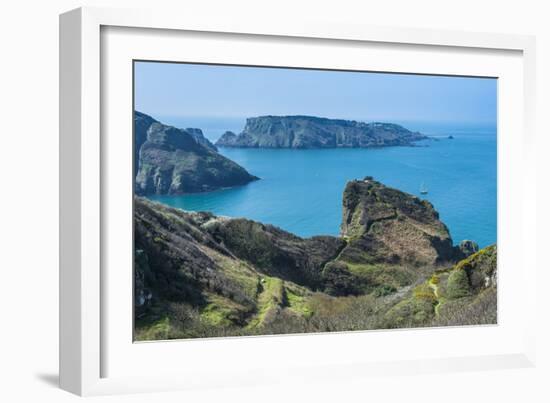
[272,200]
[234,201]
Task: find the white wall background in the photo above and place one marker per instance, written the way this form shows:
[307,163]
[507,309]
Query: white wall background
[29,201]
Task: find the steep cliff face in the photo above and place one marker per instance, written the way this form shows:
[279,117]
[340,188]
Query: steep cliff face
[173,161]
[142,122]
[198,135]
[386,225]
[315,132]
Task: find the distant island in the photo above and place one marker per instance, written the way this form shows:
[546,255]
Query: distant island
[169,160]
[315,132]
[394,265]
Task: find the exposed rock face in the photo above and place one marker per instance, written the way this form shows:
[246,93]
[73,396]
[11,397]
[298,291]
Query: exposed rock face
[199,138]
[174,161]
[468,247]
[389,226]
[142,122]
[227,138]
[315,132]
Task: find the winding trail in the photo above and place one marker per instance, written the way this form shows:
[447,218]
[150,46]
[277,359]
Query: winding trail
[435,289]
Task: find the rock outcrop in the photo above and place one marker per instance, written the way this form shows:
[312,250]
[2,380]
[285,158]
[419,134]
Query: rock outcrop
[169,160]
[315,132]
[467,248]
[385,225]
[199,138]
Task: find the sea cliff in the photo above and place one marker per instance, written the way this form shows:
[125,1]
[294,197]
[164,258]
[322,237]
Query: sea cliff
[316,132]
[169,160]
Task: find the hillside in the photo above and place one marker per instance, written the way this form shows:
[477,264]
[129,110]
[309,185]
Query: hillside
[169,160]
[199,275]
[315,132]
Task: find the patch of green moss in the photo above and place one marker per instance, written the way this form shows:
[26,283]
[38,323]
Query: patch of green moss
[221,311]
[158,330]
[298,303]
[270,298]
[215,315]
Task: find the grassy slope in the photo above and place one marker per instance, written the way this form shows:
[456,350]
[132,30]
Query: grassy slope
[392,296]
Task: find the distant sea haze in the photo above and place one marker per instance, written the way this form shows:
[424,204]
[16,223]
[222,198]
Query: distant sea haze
[301,190]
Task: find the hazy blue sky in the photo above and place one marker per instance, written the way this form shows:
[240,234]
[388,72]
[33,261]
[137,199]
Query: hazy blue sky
[164,89]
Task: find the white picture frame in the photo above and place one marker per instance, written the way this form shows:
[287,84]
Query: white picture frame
[90,358]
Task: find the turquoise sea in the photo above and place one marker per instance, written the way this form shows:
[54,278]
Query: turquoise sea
[301,190]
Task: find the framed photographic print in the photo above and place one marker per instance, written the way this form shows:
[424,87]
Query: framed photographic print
[235,194]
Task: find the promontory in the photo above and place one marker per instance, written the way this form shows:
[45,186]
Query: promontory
[169,160]
[316,132]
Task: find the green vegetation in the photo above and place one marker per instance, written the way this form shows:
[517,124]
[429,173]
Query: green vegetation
[381,276]
[411,312]
[458,284]
[270,300]
[222,311]
[297,302]
[198,275]
[159,330]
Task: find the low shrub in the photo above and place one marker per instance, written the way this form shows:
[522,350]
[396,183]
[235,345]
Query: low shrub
[458,284]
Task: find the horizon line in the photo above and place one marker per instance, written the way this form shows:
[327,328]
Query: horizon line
[363,119]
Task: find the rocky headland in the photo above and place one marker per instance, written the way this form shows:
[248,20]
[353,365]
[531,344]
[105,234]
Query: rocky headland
[394,265]
[315,132]
[169,160]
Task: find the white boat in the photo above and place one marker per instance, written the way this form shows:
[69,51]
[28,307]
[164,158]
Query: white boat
[423,189]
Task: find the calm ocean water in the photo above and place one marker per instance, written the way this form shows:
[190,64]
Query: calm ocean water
[301,190]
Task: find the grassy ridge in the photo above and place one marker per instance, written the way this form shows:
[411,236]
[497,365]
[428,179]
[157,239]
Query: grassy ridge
[198,275]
